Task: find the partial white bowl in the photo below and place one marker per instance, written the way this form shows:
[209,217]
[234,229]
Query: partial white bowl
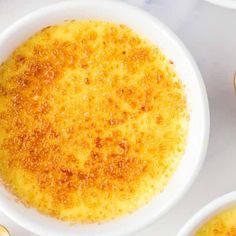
[224,3]
[207,213]
[187,70]
[168,10]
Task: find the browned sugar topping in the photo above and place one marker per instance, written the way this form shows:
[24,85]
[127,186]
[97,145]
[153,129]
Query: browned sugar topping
[92,114]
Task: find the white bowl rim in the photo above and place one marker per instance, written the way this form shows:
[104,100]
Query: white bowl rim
[204,143]
[224,3]
[207,212]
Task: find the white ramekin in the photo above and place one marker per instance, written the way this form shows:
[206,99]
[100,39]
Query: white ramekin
[207,213]
[187,70]
[224,3]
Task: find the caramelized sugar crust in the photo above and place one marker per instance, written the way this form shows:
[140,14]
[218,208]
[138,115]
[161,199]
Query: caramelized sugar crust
[93,121]
[222,224]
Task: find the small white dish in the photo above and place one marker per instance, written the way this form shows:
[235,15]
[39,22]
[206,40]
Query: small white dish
[197,142]
[207,213]
[224,3]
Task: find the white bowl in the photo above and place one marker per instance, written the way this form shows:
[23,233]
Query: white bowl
[207,213]
[186,68]
[224,3]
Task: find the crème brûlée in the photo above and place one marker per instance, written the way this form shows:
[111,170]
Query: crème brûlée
[93,121]
[223,224]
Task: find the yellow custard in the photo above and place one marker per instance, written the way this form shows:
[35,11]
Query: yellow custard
[93,121]
[223,224]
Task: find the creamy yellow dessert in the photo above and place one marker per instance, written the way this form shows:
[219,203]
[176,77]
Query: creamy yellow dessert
[93,121]
[3,231]
[223,224]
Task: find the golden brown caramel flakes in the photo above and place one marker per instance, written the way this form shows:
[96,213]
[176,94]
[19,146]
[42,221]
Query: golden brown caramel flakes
[55,112]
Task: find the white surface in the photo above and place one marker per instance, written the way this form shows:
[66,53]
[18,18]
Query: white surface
[209,35]
[186,69]
[207,212]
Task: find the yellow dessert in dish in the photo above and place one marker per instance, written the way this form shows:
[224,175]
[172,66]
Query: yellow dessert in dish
[223,224]
[93,121]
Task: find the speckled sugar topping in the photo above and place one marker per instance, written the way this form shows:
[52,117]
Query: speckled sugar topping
[93,121]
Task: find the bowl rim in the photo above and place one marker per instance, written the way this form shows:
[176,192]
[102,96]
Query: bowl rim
[208,211]
[224,3]
[176,41]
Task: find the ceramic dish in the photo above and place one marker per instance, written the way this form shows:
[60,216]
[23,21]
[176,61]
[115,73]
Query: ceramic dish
[207,212]
[187,70]
[224,3]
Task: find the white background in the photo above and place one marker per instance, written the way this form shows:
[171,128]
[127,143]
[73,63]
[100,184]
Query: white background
[210,34]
